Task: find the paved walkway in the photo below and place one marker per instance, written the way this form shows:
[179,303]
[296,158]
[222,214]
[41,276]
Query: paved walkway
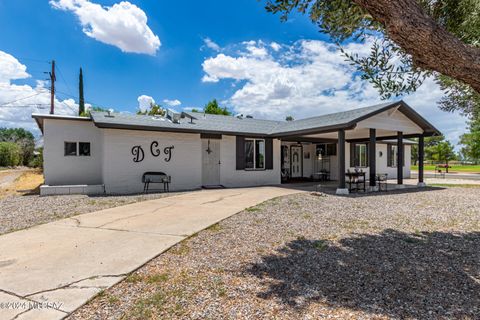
[58,266]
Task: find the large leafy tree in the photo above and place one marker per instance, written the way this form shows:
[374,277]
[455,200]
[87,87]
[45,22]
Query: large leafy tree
[23,139]
[154,110]
[439,150]
[414,39]
[471,142]
[212,107]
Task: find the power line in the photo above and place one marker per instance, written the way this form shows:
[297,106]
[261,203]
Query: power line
[63,78]
[76,97]
[38,106]
[4,104]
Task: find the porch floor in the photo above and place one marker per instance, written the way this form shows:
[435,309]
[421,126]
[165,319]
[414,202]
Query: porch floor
[330,187]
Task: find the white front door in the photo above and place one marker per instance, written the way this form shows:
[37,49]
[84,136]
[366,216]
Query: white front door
[296,161]
[211,162]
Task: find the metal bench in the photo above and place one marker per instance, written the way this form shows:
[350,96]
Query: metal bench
[156,177]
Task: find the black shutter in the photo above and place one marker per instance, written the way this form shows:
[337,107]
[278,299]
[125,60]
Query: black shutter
[352,155]
[389,155]
[240,153]
[268,154]
[367,156]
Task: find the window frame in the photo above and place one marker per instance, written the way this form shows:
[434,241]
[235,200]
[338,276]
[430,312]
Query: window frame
[254,142]
[353,155]
[65,149]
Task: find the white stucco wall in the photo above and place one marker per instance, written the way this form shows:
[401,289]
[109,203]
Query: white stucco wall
[66,170]
[122,175]
[230,177]
[308,164]
[381,162]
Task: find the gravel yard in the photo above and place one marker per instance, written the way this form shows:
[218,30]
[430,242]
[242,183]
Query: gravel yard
[19,212]
[309,256]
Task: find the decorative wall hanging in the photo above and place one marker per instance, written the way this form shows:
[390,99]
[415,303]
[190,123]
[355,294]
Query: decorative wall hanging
[208,148]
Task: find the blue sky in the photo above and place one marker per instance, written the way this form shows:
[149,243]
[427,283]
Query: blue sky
[187,52]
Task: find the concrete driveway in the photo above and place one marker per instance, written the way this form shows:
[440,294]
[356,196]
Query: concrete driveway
[48,271]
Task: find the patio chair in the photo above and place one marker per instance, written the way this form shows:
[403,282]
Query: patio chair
[381,179]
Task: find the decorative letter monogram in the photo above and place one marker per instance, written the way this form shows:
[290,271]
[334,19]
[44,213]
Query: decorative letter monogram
[156,152]
[168,152]
[139,154]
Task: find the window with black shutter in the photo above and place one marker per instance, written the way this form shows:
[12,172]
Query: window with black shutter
[359,155]
[392,155]
[254,154]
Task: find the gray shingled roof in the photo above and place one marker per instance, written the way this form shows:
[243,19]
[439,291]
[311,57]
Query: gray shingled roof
[202,123]
[208,123]
[331,120]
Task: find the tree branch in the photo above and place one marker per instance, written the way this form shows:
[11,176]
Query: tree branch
[429,44]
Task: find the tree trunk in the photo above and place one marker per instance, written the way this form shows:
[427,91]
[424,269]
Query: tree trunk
[429,44]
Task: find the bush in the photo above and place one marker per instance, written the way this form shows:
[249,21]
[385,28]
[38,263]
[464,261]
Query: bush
[10,154]
[37,161]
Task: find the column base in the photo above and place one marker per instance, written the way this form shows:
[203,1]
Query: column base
[373,188]
[400,186]
[421,184]
[342,191]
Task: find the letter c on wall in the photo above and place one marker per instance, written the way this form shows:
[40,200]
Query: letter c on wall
[155,152]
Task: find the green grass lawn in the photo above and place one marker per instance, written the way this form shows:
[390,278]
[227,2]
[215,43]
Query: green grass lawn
[454,168]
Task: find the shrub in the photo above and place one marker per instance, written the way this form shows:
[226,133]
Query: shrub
[37,161]
[10,154]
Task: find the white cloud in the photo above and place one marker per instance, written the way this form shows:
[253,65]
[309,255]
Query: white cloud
[172,103]
[309,78]
[123,25]
[210,44]
[275,46]
[11,68]
[18,102]
[144,102]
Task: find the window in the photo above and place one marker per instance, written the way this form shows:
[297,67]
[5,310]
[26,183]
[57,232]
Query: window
[331,149]
[254,154]
[326,149]
[84,148]
[392,156]
[359,156]
[70,148]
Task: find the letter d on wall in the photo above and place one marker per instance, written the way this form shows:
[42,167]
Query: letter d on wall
[138,154]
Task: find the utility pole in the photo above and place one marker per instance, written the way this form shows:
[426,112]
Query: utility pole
[52,88]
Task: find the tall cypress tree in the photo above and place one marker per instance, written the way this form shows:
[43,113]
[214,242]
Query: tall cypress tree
[81,103]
